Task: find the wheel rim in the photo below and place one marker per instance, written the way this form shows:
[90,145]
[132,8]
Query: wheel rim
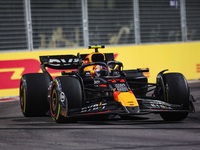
[54,102]
[22,98]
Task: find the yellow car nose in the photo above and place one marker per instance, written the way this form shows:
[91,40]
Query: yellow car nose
[127,99]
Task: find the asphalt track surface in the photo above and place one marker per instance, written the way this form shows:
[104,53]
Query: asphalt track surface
[147,132]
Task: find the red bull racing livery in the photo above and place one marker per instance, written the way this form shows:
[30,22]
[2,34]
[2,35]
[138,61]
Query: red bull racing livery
[96,84]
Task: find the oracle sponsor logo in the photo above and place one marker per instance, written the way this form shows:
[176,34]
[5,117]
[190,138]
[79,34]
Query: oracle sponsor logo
[12,70]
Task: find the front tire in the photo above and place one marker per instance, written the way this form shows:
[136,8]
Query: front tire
[66,93]
[177,92]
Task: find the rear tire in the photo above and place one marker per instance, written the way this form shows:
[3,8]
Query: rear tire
[177,92]
[33,94]
[71,88]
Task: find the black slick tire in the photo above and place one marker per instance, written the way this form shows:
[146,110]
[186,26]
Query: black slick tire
[33,94]
[177,92]
[71,88]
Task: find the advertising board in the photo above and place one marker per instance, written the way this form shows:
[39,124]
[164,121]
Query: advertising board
[181,57]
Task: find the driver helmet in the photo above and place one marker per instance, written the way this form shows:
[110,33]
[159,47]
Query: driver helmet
[100,70]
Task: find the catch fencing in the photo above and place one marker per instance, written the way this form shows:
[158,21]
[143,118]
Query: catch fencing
[52,24]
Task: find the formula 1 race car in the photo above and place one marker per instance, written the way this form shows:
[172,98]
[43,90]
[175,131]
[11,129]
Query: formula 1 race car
[96,84]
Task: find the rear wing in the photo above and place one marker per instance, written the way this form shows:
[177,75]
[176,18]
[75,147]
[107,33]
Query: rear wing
[68,61]
[61,61]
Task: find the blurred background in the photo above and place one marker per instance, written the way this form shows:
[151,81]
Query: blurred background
[35,24]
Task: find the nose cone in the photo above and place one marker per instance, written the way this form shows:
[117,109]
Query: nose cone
[132,110]
[128,101]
